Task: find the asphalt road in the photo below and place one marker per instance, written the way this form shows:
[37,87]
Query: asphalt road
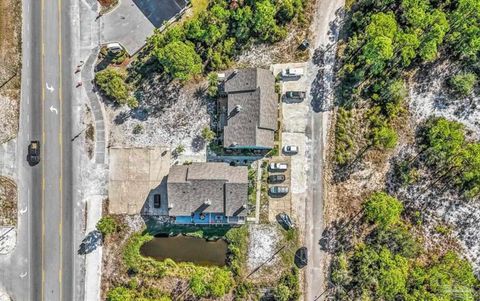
[48,91]
[325,28]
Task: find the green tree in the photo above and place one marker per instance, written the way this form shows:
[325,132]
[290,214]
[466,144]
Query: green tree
[264,23]
[107,225]
[470,171]
[444,140]
[243,22]
[180,60]
[433,37]
[383,209]
[465,35]
[415,12]
[463,84]
[384,137]
[111,82]
[408,44]
[286,11]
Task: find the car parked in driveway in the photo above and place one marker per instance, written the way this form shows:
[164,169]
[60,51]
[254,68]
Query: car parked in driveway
[285,220]
[274,179]
[278,166]
[290,149]
[295,95]
[292,72]
[278,190]
[301,257]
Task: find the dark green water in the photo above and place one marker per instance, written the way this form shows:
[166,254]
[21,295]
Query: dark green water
[187,249]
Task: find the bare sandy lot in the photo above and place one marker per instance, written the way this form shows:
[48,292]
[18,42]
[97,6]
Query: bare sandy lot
[10,60]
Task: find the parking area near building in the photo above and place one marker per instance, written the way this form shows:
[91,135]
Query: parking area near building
[134,20]
[137,176]
[295,123]
[279,203]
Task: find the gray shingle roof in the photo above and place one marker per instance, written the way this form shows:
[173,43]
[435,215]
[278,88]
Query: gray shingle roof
[225,186]
[254,91]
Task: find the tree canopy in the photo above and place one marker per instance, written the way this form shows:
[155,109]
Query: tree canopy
[383,209]
[180,60]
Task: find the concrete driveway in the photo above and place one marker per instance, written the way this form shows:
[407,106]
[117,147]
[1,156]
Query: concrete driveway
[134,20]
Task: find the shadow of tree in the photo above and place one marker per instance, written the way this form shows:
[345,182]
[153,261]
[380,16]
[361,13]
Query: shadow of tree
[90,242]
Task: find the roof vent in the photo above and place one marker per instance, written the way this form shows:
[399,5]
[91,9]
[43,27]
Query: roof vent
[170,206]
[207,203]
[237,108]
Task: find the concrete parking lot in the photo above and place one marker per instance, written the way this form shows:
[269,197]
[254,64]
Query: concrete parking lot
[134,20]
[279,204]
[295,124]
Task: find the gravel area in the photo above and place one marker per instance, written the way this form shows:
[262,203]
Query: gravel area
[263,243]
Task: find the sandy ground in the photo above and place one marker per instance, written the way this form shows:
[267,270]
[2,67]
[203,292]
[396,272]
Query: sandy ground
[168,115]
[10,57]
[8,202]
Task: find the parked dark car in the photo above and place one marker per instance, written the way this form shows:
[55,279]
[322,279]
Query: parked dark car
[304,45]
[157,201]
[295,94]
[278,190]
[301,257]
[285,220]
[273,179]
[33,155]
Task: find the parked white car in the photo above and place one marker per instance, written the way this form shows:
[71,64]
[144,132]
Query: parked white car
[290,149]
[292,72]
[278,166]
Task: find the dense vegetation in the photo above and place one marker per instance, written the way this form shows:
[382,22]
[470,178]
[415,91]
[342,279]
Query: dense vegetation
[385,38]
[111,82]
[209,40]
[203,282]
[390,264]
[107,225]
[454,158]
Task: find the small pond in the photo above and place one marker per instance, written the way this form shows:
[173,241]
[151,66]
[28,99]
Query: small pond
[187,249]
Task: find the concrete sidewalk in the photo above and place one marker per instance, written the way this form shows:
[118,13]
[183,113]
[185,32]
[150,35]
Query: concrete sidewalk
[93,260]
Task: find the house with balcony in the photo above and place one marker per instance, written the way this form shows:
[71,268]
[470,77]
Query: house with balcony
[208,193]
[248,109]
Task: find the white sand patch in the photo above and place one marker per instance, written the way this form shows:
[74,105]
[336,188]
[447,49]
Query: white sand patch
[262,245]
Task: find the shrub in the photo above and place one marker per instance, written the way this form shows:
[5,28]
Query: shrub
[213,84]
[107,225]
[120,293]
[207,134]
[111,81]
[463,84]
[382,209]
[138,129]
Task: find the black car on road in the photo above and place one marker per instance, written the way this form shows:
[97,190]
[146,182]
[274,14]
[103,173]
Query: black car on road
[33,156]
